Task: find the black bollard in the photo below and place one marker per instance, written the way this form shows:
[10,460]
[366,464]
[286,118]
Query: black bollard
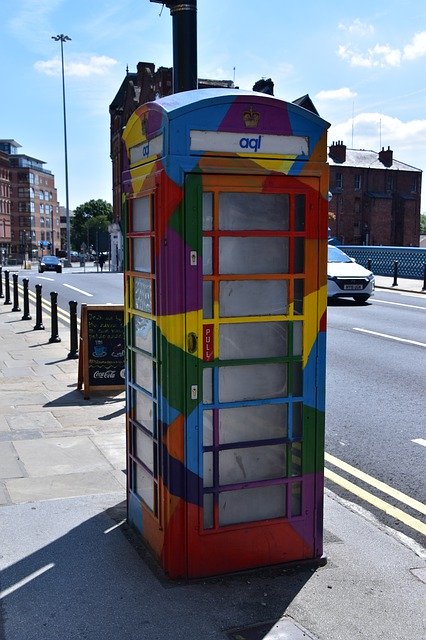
[369,264]
[26,315]
[1,283]
[16,306]
[54,337]
[73,331]
[39,322]
[395,273]
[424,278]
[7,287]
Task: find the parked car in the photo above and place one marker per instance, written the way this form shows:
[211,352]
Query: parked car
[50,263]
[346,278]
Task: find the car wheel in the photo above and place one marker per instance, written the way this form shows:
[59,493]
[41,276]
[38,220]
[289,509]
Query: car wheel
[361,298]
[59,270]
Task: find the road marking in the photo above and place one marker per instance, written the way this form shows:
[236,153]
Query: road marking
[85,293]
[385,335]
[396,513]
[401,304]
[25,581]
[44,278]
[381,486]
[419,441]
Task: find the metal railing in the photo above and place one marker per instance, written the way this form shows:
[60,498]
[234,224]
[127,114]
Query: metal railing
[381,260]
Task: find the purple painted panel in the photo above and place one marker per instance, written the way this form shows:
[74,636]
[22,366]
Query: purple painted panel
[272,119]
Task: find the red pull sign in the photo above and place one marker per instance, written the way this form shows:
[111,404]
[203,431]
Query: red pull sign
[208,344]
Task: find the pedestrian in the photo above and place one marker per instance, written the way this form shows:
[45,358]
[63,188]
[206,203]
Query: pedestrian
[101,261]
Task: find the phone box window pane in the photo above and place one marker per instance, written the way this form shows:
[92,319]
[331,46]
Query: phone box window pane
[296,499]
[207,299]
[252,382]
[251,464]
[253,298]
[253,423]
[144,448]
[207,211]
[144,486]
[253,340]
[249,505]
[208,510]
[142,334]
[296,459]
[142,294]
[297,338]
[297,419]
[141,254]
[300,207]
[236,255]
[208,469]
[207,386]
[207,256]
[253,211]
[297,379]
[144,374]
[298,297]
[144,410]
[299,255]
[207,428]
[142,214]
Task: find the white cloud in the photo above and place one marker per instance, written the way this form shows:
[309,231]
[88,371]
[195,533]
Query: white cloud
[357,28]
[89,66]
[336,94]
[416,48]
[383,55]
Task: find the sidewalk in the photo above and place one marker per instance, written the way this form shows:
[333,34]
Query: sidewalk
[72,569]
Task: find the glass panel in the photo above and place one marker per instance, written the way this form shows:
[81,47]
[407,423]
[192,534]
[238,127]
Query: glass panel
[296,459]
[207,386]
[253,298]
[141,214]
[208,510]
[144,410]
[236,255]
[207,211]
[298,297]
[300,205]
[253,423]
[296,499]
[207,256]
[297,338]
[208,299]
[144,486]
[252,382]
[142,294]
[297,379]
[143,371]
[248,505]
[253,463]
[297,419]
[253,340]
[253,211]
[141,254]
[142,334]
[208,469]
[207,428]
[299,255]
[144,448]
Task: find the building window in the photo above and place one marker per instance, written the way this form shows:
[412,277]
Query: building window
[357,181]
[389,181]
[414,184]
[339,181]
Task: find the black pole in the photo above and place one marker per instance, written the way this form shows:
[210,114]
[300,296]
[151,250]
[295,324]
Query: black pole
[424,277]
[54,337]
[1,283]
[39,322]
[73,331]
[395,273]
[369,264]
[7,299]
[26,315]
[16,306]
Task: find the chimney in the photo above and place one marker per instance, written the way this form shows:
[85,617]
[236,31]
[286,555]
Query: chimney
[184,20]
[337,152]
[386,157]
[264,86]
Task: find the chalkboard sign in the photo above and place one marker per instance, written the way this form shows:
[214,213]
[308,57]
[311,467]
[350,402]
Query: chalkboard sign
[101,353]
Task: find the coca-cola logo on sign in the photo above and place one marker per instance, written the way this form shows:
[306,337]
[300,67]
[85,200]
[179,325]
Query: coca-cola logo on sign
[104,374]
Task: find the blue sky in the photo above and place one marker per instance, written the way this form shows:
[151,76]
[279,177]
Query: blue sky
[363,64]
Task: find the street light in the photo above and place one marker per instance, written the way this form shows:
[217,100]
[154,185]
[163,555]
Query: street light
[62,38]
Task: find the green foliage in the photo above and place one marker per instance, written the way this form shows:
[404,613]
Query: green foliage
[423,223]
[89,217]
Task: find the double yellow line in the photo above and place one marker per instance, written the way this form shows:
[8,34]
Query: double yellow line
[395,512]
[62,315]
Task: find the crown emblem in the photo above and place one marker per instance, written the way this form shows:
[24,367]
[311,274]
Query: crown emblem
[251,118]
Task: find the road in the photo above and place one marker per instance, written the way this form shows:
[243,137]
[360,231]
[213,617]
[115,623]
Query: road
[376,381]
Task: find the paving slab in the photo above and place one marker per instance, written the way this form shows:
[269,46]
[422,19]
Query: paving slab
[10,465]
[113,447]
[42,420]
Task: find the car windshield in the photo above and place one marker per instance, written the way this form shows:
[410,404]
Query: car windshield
[49,259]
[335,255]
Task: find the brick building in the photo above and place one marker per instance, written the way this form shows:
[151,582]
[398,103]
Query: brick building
[5,207]
[375,199]
[34,216]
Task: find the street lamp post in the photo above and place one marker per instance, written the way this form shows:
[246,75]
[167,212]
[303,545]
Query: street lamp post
[62,38]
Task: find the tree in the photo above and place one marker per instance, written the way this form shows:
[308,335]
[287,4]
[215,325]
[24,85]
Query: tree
[89,218]
[423,223]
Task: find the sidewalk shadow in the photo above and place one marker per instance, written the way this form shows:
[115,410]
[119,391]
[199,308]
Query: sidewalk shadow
[75,397]
[93,582]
